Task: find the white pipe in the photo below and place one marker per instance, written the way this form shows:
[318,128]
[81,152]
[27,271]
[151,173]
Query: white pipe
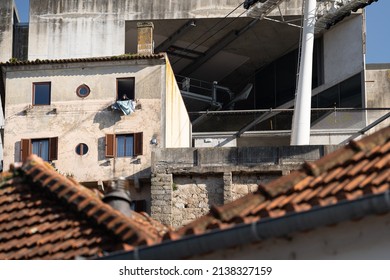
[301,121]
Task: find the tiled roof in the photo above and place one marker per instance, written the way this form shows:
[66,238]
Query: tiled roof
[358,169]
[44,215]
[89,59]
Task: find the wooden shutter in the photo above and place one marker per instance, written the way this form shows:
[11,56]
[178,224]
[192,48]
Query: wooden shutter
[110,145]
[53,148]
[138,143]
[25,149]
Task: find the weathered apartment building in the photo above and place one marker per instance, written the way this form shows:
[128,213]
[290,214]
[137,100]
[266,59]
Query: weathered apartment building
[236,75]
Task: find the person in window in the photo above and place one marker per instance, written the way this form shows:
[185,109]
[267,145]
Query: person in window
[124,97]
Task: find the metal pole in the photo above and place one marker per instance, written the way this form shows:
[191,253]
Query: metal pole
[300,134]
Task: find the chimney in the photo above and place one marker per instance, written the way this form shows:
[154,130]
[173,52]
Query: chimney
[118,197]
[145,38]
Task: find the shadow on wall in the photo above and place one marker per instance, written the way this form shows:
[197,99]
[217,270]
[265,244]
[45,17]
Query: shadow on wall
[107,118]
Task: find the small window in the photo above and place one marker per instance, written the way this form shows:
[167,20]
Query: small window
[83,91]
[81,149]
[125,88]
[46,148]
[41,93]
[124,145]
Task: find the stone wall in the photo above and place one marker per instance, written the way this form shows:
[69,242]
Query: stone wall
[187,182]
[244,183]
[194,195]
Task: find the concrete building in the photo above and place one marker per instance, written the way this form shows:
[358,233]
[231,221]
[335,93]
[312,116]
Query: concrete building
[69,112]
[219,45]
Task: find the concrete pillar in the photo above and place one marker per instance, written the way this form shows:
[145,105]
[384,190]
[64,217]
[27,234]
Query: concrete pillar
[227,187]
[145,38]
[161,198]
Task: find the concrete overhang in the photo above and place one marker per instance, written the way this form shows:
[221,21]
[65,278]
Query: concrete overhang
[237,56]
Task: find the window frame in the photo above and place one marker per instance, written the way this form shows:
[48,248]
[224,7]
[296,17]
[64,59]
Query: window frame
[82,145]
[117,88]
[26,148]
[34,93]
[80,87]
[111,150]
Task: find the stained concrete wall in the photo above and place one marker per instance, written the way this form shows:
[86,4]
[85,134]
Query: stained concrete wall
[77,120]
[6,29]
[69,29]
[365,239]
[344,50]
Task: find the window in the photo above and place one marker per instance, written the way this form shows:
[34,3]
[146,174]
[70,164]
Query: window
[124,145]
[46,148]
[82,149]
[83,91]
[41,93]
[125,88]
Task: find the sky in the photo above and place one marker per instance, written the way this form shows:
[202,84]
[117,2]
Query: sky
[378,25]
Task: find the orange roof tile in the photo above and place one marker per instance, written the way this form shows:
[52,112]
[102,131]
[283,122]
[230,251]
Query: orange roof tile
[44,215]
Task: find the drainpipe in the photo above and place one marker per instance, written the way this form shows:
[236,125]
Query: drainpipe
[300,134]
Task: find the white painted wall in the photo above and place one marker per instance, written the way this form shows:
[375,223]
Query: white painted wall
[363,239]
[178,126]
[343,49]
[87,120]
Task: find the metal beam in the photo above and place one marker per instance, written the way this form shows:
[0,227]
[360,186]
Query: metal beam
[225,41]
[175,36]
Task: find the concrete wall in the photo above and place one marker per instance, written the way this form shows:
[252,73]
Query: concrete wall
[77,120]
[377,92]
[365,239]
[343,50]
[178,125]
[6,29]
[76,28]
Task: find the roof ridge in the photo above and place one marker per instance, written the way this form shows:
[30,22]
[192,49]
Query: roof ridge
[83,59]
[85,201]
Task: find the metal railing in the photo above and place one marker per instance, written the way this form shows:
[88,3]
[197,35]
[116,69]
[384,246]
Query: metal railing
[327,119]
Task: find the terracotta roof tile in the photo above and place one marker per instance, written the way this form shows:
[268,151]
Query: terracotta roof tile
[90,59]
[360,168]
[44,215]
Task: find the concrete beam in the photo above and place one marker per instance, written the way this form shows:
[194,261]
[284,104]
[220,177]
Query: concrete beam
[175,36]
[225,41]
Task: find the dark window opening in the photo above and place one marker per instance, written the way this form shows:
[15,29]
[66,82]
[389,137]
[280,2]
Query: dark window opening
[125,88]
[41,94]
[138,205]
